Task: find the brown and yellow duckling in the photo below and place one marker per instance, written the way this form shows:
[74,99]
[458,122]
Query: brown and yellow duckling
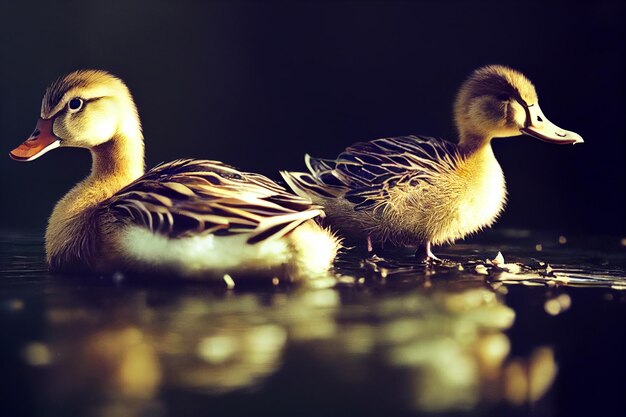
[188,218]
[416,190]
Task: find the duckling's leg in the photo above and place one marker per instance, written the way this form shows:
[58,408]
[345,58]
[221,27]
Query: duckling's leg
[424,252]
[370,248]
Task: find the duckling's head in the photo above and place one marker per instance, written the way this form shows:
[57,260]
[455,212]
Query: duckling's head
[497,101]
[84,109]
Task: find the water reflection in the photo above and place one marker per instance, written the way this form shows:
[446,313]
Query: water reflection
[527,380]
[389,332]
[447,348]
[451,342]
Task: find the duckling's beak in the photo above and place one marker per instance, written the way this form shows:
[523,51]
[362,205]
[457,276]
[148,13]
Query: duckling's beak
[538,126]
[40,141]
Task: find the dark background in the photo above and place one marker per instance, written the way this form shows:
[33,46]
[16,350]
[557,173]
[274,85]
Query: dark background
[258,84]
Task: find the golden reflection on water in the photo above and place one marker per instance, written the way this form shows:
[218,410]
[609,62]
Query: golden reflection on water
[527,380]
[417,338]
[454,347]
[447,346]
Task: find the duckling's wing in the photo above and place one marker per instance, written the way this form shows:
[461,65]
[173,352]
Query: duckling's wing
[367,170]
[196,197]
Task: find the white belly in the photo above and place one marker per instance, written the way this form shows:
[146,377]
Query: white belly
[306,252]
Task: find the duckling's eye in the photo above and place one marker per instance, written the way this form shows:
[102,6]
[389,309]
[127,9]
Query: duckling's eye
[75,104]
[503,97]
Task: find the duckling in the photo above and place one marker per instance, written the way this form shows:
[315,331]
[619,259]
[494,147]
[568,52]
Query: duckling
[417,190]
[197,219]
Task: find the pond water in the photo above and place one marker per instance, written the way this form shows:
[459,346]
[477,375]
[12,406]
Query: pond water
[538,330]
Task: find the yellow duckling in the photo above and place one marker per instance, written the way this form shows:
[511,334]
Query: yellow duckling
[415,190]
[188,218]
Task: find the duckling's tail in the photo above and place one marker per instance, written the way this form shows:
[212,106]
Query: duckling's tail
[305,186]
[316,185]
[313,249]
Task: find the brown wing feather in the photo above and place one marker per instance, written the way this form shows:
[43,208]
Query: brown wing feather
[366,171]
[189,197]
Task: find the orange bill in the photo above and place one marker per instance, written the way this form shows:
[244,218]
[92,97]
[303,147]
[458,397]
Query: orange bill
[40,141]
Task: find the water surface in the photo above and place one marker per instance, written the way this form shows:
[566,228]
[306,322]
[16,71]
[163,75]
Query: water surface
[537,331]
